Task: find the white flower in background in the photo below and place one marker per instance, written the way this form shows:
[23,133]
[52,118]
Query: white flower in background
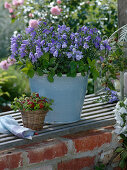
[122,110]
[118,118]
[117,106]
[125,102]
[121,117]
[118,129]
[124,129]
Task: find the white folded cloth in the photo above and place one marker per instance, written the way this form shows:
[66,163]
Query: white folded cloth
[9,125]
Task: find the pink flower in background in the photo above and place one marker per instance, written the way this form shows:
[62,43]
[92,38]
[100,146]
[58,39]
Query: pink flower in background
[55,10]
[4,65]
[13,16]
[17,2]
[21,2]
[7,5]
[11,10]
[33,23]
[31,15]
[59,2]
[88,2]
[11,61]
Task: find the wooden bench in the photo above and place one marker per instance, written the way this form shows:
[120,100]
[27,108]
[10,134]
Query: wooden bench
[94,115]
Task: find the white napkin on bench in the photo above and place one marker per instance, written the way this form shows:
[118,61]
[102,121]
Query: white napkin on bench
[9,125]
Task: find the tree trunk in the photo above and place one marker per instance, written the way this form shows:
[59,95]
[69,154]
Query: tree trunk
[122,20]
[122,12]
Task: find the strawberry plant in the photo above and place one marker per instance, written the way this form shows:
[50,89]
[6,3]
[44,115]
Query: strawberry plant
[31,103]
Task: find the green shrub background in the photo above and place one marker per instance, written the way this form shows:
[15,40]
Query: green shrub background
[15,86]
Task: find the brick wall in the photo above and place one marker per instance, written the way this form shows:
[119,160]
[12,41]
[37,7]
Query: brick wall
[80,151]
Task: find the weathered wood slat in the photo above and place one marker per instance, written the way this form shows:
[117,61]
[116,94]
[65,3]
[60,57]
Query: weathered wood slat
[52,134]
[97,105]
[73,125]
[90,121]
[8,138]
[103,109]
[96,112]
[82,121]
[52,129]
[94,115]
[93,98]
[8,113]
[84,118]
[94,95]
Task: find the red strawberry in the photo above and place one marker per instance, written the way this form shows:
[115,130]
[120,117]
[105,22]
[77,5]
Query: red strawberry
[41,105]
[35,133]
[29,103]
[44,100]
[37,95]
[32,104]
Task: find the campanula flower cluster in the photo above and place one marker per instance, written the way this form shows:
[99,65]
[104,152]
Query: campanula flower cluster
[121,117]
[112,95]
[57,49]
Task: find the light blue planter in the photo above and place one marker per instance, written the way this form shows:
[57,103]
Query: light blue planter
[68,94]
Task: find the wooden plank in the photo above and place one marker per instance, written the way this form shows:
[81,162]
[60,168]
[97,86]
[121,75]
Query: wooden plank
[99,109]
[8,113]
[9,138]
[93,98]
[93,95]
[85,110]
[99,115]
[62,128]
[97,112]
[4,135]
[52,134]
[98,106]
[84,114]
[84,119]
[82,122]
[20,121]
[94,115]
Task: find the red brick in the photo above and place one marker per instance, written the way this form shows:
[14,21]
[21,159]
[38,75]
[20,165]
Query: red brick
[76,164]
[11,161]
[47,152]
[86,141]
[118,168]
[3,163]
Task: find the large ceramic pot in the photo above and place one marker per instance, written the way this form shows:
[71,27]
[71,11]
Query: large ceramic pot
[68,94]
